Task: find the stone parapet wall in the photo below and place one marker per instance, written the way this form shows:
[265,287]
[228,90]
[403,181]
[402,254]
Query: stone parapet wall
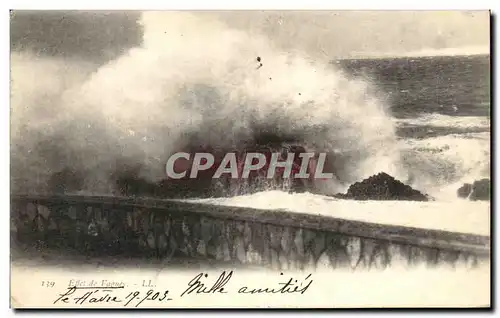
[276,239]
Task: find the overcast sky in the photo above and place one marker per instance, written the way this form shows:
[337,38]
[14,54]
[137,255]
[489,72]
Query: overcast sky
[102,36]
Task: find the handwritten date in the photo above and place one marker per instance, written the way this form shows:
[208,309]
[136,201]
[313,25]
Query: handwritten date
[110,295]
[150,295]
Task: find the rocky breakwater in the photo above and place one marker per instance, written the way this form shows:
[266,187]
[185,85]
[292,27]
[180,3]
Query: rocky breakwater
[382,187]
[479,190]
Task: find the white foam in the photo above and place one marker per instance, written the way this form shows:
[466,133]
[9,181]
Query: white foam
[440,165]
[457,216]
[439,120]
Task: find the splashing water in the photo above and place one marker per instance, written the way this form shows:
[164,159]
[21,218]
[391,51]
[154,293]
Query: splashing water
[193,81]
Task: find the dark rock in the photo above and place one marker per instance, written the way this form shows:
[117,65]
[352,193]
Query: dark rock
[479,190]
[464,191]
[382,187]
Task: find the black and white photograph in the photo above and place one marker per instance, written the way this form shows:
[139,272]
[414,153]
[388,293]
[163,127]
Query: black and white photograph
[250,159]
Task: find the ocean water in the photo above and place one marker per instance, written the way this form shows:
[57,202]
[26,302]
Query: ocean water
[425,121]
[456,86]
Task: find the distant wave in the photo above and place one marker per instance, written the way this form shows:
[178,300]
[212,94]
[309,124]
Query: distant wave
[438,120]
[452,51]
[429,52]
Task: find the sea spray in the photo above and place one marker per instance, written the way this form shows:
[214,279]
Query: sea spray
[194,81]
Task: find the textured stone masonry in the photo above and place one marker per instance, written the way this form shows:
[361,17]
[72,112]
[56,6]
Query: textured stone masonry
[276,239]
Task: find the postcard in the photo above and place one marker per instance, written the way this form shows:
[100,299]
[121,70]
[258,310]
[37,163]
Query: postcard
[250,159]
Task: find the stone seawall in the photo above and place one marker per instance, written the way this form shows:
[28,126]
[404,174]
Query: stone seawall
[276,239]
